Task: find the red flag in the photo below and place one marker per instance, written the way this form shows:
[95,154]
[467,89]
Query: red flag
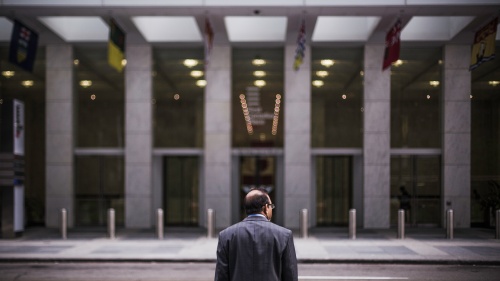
[209,40]
[392,44]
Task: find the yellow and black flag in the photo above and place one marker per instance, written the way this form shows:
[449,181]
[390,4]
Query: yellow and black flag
[116,46]
[483,49]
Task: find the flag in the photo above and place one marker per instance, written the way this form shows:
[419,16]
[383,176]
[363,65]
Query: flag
[209,40]
[301,46]
[483,49]
[23,44]
[116,46]
[392,45]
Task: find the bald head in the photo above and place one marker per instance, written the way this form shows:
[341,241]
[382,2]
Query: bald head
[255,200]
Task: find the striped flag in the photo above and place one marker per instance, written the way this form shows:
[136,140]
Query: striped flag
[23,45]
[209,40]
[483,49]
[301,46]
[116,46]
[392,45]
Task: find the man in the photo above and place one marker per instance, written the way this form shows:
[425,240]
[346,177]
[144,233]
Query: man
[256,249]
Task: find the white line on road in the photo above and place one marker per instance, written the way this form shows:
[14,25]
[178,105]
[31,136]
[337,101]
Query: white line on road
[350,278]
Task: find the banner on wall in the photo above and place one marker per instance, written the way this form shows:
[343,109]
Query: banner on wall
[23,45]
[392,45]
[209,40]
[483,49]
[116,46]
[301,46]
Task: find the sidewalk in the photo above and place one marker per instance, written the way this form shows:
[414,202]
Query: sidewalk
[470,246]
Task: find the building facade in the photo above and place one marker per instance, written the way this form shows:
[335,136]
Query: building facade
[185,130]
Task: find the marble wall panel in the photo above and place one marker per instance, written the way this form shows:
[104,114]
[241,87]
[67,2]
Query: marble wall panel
[218,120]
[138,211]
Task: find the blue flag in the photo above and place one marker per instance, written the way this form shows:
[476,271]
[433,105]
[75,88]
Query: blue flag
[23,44]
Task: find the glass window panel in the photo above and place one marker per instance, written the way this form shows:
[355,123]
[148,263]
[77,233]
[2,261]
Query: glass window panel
[100,106]
[337,97]
[178,97]
[34,109]
[485,139]
[415,99]
[257,118]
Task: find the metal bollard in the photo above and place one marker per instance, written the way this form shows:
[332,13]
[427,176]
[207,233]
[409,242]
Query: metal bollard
[352,224]
[159,224]
[303,223]
[64,223]
[111,223]
[498,225]
[449,224]
[210,223]
[401,224]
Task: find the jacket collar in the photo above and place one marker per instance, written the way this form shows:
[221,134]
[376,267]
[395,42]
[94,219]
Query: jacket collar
[255,218]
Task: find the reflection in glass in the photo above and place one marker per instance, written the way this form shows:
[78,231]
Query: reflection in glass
[257,119]
[337,96]
[100,99]
[178,97]
[485,140]
[415,99]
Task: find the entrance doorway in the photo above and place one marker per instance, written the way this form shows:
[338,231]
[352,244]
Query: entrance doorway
[419,177]
[257,171]
[334,190]
[181,190]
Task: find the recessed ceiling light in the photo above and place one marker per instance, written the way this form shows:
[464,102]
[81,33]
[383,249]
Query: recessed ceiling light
[124,62]
[494,83]
[259,83]
[434,83]
[318,83]
[92,97]
[190,62]
[177,97]
[397,63]
[258,62]
[344,97]
[322,73]
[27,83]
[86,83]
[196,73]
[8,73]
[259,73]
[76,62]
[327,63]
[201,83]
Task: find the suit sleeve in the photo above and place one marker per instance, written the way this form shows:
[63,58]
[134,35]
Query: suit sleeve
[222,266]
[289,262]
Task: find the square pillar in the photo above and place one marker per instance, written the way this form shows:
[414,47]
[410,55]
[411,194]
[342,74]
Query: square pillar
[376,139]
[138,137]
[456,130]
[217,158]
[59,173]
[297,138]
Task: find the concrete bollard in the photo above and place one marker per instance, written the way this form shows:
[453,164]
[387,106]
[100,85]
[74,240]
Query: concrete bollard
[352,224]
[303,223]
[210,223]
[159,223]
[449,224]
[111,223]
[401,224]
[498,225]
[64,224]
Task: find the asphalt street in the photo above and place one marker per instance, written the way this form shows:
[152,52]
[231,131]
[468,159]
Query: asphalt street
[205,271]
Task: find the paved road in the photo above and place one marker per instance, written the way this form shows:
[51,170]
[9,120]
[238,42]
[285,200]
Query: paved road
[204,272]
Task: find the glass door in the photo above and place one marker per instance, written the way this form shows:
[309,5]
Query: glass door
[416,188]
[99,186]
[257,171]
[181,185]
[333,190]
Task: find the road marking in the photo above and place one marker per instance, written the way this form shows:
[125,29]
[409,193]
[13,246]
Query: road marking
[350,278]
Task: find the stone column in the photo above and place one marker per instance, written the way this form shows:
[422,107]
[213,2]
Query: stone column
[456,130]
[297,137]
[138,137]
[60,134]
[376,139]
[217,160]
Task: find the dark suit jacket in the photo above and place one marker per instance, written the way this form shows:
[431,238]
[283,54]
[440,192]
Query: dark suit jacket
[256,249]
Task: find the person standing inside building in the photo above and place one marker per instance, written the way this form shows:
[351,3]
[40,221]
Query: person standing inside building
[256,248]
